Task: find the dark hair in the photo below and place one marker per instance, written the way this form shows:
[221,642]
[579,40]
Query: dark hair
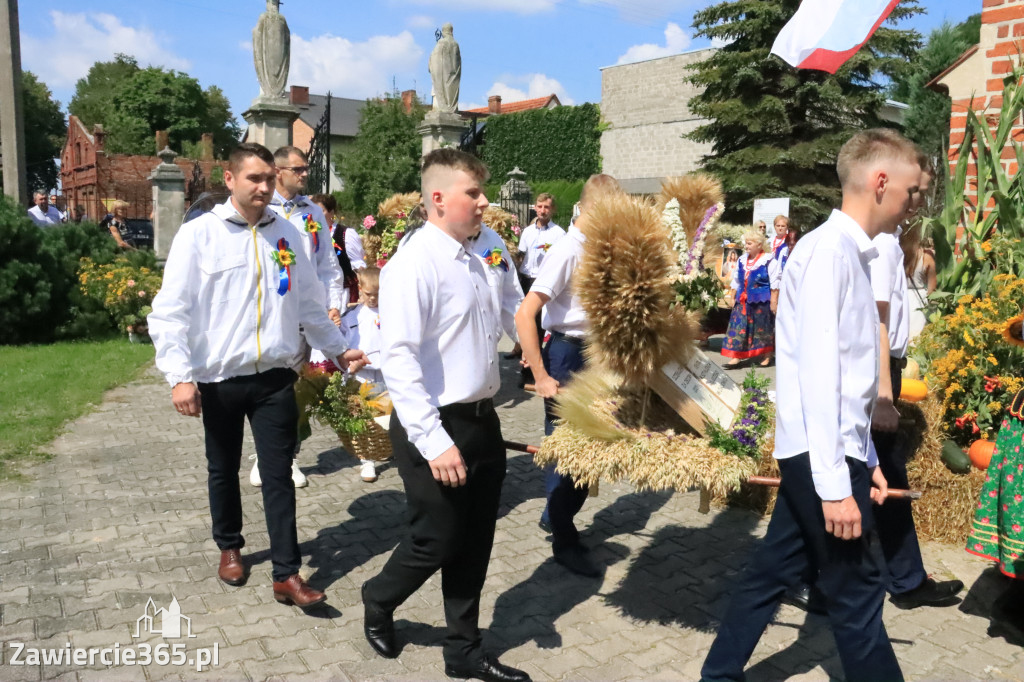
[458,160]
[791,237]
[282,153]
[247,150]
[326,200]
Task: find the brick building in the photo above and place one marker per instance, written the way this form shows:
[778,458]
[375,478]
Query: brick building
[94,179]
[975,80]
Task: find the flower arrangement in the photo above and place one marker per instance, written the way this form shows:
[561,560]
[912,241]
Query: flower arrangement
[507,226]
[697,288]
[348,406]
[969,363]
[384,231]
[124,290]
[755,417]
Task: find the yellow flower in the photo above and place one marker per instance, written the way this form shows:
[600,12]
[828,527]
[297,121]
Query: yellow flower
[986,247]
[992,360]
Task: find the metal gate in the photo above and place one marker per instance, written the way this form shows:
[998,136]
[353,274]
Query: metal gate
[320,154]
[196,184]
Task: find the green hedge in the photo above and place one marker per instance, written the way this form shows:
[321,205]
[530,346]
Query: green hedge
[563,143]
[40,300]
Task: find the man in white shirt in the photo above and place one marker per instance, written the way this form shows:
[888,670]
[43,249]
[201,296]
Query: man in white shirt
[534,243]
[289,203]
[906,578]
[827,337]
[563,316]
[236,292]
[440,322]
[42,213]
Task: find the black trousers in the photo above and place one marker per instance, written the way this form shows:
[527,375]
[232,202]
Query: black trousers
[894,519]
[563,357]
[451,529]
[268,400]
[850,578]
[526,282]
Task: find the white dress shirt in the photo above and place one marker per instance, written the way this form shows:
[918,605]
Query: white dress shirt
[364,333]
[564,312]
[889,282]
[534,243]
[324,259]
[354,248]
[219,313]
[49,219]
[440,325]
[826,349]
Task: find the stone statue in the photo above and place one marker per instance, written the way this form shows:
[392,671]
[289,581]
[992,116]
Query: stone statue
[271,50]
[446,71]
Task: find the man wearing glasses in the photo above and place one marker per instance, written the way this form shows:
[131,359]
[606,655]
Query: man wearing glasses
[290,203]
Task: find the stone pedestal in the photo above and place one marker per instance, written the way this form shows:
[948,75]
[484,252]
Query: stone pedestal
[168,202]
[270,122]
[441,129]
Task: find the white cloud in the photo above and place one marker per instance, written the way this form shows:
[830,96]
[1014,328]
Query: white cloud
[519,6]
[536,84]
[421,21]
[676,41]
[353,69]
[62,54]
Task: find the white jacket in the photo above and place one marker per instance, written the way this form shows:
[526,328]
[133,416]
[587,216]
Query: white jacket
[319,249]
[226,308]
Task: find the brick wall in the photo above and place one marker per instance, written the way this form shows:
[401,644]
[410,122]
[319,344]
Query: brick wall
[646,108]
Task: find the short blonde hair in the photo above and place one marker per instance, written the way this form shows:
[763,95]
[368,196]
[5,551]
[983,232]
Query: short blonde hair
[596,187]
[755,234]
[120,203]
[784,217]
[869,146]
[369,277]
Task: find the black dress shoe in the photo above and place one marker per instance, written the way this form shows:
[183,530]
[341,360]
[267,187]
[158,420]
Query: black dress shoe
[379,628]
[489,670]
[577,559]
[544,526]
[806,598]
[929,593]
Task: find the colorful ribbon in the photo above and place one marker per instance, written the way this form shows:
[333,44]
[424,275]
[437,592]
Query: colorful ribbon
[313,227]
[284,257]
[494,259]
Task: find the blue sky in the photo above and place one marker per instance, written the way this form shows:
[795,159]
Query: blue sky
[515,48]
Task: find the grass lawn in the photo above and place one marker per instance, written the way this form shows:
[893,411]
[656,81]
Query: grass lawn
[46,386]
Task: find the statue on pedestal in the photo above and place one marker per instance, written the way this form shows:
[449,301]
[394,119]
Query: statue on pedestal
[446,71]
[271,49]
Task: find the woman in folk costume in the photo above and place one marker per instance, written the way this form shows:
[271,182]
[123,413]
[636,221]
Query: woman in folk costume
[755,285]
[781,224]
[997,532]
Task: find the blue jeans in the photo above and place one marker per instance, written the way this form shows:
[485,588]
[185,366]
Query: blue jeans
[563,357]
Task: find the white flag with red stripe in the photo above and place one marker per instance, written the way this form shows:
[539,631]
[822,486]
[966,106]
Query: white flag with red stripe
[823,34]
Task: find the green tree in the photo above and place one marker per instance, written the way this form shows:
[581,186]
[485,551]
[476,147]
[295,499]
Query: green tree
[385,157]
[45,130]
[133,103]
[93,101]
[927,120]
[776,130]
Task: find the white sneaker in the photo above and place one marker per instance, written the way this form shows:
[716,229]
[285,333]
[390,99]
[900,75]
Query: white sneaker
[298,478]
[254,475]
[368,472]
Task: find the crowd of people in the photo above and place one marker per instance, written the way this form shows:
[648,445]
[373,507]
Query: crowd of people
[252,287]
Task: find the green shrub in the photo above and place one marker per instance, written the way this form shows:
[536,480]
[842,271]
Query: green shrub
[27,274]
[563,143]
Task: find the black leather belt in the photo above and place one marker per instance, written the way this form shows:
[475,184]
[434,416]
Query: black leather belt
[559,336]
[477,409]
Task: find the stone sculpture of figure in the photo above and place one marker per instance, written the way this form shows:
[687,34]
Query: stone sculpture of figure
[271,49]
[446,71]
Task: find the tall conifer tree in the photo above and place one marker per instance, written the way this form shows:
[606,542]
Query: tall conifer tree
[776,130]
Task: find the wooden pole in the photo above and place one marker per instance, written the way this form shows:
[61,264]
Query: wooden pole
[12,123]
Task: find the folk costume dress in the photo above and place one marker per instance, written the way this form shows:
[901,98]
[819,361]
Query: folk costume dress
[751,331]
[997,532]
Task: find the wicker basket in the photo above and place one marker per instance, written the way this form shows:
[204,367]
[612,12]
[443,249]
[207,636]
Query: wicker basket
[373,444]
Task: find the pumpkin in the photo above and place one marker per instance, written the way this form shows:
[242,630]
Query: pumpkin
[914,390]
[981,453]
[912,370]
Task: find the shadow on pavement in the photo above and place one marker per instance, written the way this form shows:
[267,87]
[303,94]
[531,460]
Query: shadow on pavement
[528,611]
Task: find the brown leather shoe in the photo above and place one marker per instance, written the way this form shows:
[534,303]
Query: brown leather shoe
[294,590]
[231,570]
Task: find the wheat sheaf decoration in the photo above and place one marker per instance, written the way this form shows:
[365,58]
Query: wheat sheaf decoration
[624,282]
[695,193]
[398,205]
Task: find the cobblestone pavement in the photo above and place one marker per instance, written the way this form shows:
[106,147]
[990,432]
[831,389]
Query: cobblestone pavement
[119,516]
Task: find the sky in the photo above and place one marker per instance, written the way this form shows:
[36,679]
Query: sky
[366,48]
